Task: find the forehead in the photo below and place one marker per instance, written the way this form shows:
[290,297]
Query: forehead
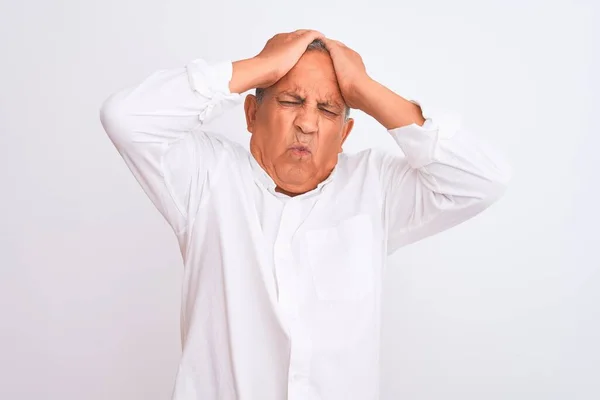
[313,75]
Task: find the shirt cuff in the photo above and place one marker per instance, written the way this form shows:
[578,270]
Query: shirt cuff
[419,143]
[210,79]
[447,123]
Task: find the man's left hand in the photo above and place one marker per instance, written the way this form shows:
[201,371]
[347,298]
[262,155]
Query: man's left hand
[361,92]
[350,71]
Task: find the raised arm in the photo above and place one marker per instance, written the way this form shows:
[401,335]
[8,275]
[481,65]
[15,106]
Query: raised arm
[446,176]
[156,125]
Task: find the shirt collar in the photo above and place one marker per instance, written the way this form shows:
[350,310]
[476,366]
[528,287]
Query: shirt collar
[267,182]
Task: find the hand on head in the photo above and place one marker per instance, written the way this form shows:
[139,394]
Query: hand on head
[298,120]
[283,51]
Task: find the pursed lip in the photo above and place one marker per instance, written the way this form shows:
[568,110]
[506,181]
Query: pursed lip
[300,148]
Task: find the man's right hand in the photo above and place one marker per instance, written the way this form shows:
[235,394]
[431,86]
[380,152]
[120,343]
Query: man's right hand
[279,55]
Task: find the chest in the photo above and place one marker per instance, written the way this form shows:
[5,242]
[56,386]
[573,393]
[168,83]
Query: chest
[329,242]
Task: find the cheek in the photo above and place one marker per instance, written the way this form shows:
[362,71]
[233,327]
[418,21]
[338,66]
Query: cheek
[273,135]
[329,144]
[276,123]
[331,137]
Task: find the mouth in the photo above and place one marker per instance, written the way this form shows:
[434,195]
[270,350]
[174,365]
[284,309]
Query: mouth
[300,150]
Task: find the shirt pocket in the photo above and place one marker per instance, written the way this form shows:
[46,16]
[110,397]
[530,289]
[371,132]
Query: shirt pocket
[341,259]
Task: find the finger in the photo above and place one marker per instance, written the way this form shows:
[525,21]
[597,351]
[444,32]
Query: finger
[331,44]
[312,34]
[301,32]
[339,43]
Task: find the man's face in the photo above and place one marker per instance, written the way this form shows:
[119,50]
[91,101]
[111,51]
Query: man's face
[299,126]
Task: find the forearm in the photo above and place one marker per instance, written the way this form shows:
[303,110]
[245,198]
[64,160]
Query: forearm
[247,74]
[439,183]
[168,103]
[387,107]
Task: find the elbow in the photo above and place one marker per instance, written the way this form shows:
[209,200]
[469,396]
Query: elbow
[497,185]
[111,111]
[114,118]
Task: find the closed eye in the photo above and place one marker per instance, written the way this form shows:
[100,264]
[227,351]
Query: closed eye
[299,103]
[329,112]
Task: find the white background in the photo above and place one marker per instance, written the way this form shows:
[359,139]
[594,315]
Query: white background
[505,306]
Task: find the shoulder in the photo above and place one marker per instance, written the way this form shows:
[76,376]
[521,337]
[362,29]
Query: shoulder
[217,147]
[367,161]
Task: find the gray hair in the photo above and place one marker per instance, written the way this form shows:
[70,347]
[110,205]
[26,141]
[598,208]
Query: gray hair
[315,45]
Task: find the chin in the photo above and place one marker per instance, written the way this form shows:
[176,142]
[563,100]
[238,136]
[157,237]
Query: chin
[295,182]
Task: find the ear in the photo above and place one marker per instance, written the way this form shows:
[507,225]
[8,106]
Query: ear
[250,108]
[348,125]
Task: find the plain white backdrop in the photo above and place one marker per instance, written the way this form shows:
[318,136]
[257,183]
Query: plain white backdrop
[505,306]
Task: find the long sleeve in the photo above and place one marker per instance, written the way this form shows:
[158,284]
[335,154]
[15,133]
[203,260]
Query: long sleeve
[157,128]
[445,178]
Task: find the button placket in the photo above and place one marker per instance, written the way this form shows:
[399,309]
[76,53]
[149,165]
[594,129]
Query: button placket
[283,260]
[290,295]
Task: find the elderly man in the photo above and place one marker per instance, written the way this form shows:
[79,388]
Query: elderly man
[284,246]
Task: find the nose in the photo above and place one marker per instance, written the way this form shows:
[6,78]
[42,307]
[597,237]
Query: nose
[307,121]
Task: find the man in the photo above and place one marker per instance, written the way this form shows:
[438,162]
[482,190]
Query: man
[284,246]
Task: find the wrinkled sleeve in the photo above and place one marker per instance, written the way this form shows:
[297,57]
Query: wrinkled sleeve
[446,177]
[156,126]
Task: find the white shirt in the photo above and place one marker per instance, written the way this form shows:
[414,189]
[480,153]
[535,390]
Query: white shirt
[282,295]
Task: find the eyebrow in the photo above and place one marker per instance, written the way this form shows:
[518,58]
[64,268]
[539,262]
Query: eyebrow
[327,103]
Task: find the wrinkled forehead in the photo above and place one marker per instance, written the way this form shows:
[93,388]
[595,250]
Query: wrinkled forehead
[312,77]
